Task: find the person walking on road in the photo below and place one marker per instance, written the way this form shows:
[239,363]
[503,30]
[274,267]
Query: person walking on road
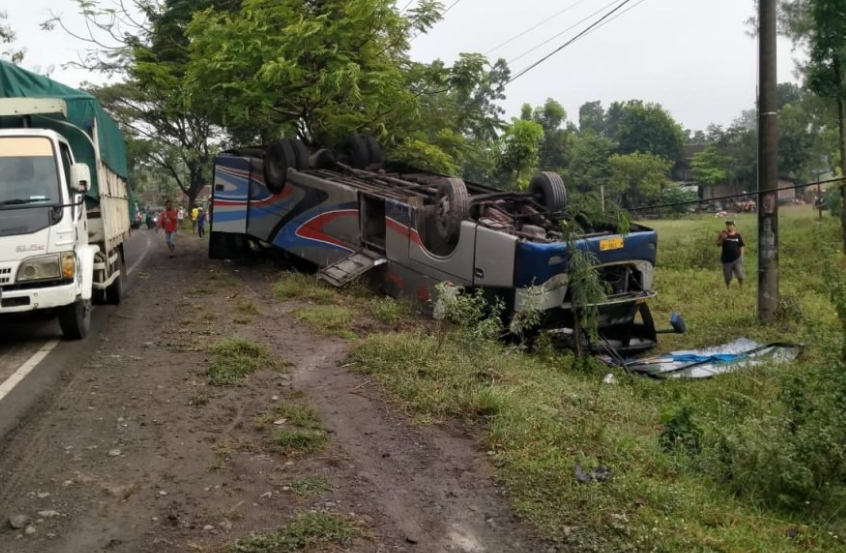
[201,223]
[194,214]
[733,248]
[169,221]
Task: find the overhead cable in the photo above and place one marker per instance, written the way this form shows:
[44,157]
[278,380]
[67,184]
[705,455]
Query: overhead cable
[624,12]
[532,28]
[590,28]
[553,37]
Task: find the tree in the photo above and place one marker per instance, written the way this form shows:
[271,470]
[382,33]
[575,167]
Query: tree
[588,170]
[592,117]
[710,168]
[648,128]
[820,25]
[517,153]
[7,41]
[557,139]
[639,177]
[788,94]
[153,101]
[315,70]
[612,119]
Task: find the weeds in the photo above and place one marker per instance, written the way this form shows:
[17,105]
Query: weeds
[235,358]
[310,485]
[296,441]
[301,286]
[247,308]
[328,319]
[307,532]
[389,311]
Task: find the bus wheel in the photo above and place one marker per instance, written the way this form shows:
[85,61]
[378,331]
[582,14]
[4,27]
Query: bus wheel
[452,206]
[277,159]
[548,190]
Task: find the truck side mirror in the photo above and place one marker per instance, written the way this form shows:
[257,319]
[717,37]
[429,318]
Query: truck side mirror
[80,177]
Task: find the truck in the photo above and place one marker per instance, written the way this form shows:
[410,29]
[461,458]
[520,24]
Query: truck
[410,230]
[64,209]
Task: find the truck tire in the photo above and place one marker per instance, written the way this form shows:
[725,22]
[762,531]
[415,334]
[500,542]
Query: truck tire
[548,190]
[374,153]
[300,154]
[277,159]
[354,150]
[75,319]
[114,292]
[452,207]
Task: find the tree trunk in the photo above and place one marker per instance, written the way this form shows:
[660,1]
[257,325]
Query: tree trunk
[841,138]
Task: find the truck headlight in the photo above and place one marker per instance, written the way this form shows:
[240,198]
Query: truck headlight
[40,268]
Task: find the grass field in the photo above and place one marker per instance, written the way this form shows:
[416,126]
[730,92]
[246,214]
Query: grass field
[751,461]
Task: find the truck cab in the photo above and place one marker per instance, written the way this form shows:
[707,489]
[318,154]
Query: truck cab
[45,259]
[64,201]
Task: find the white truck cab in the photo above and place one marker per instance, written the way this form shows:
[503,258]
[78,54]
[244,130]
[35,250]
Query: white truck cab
[59,248]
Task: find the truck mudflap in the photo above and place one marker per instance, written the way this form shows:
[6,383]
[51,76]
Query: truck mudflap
[86,268]
[625,324]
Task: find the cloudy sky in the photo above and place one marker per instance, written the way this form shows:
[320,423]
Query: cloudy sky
[692,56]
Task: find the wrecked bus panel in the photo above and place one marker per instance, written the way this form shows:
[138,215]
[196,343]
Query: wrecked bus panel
[340,211]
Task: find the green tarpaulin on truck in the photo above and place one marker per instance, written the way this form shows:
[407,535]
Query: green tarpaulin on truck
[82,110]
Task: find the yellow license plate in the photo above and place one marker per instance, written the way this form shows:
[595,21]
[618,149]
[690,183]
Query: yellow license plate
[611,244]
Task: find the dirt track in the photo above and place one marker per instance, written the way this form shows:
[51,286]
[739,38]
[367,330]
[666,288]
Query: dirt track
[135,452]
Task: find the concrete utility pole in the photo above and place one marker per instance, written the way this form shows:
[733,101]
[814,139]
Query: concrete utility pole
[767,164]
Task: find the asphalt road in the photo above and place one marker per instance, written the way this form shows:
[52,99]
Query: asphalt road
[33,353]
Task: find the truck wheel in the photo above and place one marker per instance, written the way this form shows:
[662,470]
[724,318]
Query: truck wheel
[277,159]
[374,152]
[75,319]
[549,191]
[354,149]
[300,154]
[114,292]
[452,207]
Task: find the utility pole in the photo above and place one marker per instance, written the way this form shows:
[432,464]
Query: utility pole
[767,164]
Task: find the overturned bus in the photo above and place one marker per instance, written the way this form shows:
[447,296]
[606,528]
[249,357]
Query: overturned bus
[410,230]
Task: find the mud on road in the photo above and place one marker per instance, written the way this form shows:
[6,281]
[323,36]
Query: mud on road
[135,451]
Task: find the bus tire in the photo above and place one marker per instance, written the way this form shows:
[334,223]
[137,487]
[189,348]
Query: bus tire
[374,153]
[277,159]
[451,208]
[300,154]
[548,190]
[354,150]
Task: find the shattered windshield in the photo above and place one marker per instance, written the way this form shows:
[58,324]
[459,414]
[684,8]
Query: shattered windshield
[28,172]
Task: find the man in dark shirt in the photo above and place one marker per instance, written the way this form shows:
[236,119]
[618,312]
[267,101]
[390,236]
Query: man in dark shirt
[733,249]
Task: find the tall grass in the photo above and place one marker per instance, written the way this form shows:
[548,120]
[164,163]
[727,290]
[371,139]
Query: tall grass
[747,462]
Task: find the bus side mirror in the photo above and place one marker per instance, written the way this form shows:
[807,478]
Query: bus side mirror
[80,177]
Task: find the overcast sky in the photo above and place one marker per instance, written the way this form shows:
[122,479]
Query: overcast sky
[692,56]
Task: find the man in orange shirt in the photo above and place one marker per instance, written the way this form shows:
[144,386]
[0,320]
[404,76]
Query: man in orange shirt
[169,221]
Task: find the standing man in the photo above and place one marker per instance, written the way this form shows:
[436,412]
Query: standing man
[732,257]
[194,213]
[169,221]
[201,223]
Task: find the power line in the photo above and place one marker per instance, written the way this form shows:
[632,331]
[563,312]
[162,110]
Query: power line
[569,42]
[624,12]
[407,4]
[545,21]
[553,37]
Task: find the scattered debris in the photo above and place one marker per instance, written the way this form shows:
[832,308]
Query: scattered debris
[49,514]
[705,363]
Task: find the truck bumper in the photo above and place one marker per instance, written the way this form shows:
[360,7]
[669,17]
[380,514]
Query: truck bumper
[21,301]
